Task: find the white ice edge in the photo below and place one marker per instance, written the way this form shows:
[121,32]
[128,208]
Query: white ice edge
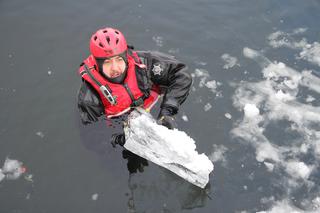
[171,149]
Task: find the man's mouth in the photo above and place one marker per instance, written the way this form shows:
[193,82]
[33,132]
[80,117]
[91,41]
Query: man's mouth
[114,75]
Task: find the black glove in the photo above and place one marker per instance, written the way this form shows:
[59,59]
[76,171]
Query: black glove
[118,139]
[166,118]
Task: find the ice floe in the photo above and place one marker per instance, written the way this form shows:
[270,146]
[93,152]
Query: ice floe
[278,98]
[269,166]
[228,115]
[230,61]
[309,51]
[207,107]
[202,74]
[40,134]
[185,118]
[12,169]
[218,154]
[282,207]
[95,196]
[202,80]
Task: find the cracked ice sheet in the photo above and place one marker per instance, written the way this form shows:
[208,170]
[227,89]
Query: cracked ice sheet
[171,149]
[274,99]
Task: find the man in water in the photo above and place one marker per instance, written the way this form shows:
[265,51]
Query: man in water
[116,79]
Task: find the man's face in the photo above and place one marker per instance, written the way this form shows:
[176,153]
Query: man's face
[114,66]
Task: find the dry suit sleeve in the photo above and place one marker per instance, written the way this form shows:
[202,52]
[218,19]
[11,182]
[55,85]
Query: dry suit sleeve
[178,86]
[171,75]
[89,104]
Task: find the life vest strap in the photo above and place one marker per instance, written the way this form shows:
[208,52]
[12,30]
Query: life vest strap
[106,91]
[135,102]
[138,102]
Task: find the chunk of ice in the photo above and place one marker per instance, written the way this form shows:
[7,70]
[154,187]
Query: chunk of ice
[298,169]
[185,118]
[310,99]
[250,110]
[95,196]
[228,115]
[40,134]
[230,61]
[269,166]
[171,149]
[12,169]
[207,107]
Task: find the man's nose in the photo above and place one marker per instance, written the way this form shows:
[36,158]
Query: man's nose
[113,65]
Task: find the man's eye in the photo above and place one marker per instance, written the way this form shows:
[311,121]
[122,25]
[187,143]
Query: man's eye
[120,59]
[106,62]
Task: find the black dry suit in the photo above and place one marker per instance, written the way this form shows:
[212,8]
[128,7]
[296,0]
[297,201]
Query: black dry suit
[163,70]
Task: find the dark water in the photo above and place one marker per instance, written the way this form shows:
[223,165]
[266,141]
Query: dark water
[43,43]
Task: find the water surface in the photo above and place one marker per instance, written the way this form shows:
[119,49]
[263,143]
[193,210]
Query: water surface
[265,162]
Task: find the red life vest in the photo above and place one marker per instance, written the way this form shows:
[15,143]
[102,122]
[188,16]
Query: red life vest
[124,94]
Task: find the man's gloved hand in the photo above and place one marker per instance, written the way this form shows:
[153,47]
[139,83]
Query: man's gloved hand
[166,118]
[118,139]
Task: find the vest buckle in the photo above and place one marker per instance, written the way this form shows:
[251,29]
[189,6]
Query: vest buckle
[108,95]
[138,102]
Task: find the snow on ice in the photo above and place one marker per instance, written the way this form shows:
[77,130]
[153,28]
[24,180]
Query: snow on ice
[171,149]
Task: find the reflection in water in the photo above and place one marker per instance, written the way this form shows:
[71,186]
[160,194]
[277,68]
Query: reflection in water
[98,136]
[135,162]
[165,192]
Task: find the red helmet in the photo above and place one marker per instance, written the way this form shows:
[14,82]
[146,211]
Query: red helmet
[107,42]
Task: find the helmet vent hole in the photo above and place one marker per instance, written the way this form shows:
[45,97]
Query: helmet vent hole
[95,38]
[101,45]
[116,32]
[105,31]
[117,40]
[108,39]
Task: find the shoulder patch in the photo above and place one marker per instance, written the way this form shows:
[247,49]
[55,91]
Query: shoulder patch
[157,69]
